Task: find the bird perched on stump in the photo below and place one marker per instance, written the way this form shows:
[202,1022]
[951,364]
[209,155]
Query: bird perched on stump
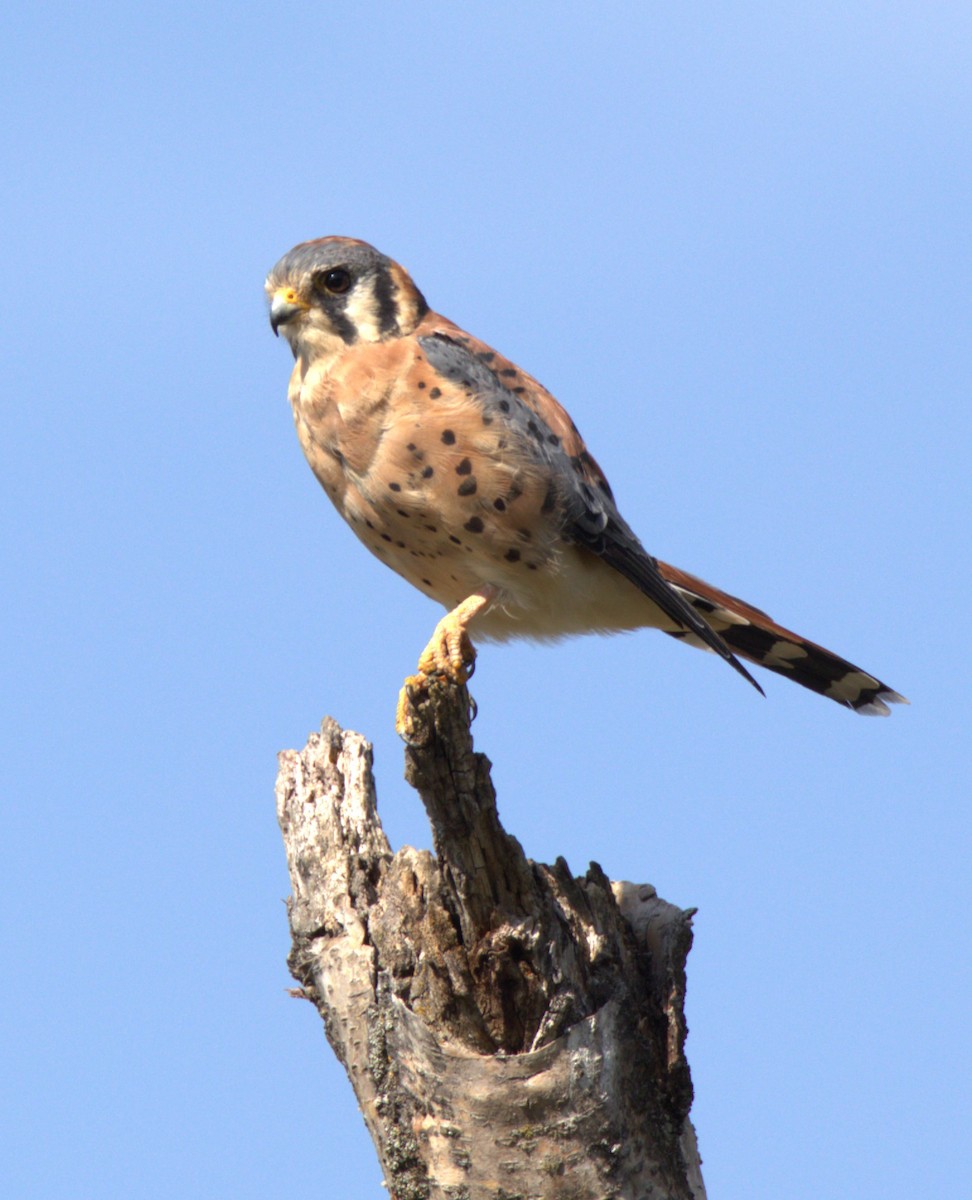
[465,475]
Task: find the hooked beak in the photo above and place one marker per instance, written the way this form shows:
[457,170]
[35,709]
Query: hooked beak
[284,306]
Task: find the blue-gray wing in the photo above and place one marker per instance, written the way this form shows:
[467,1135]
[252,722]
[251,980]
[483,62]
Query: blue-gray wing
[589,515]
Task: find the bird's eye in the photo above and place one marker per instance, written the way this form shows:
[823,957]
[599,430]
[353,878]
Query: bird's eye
[335,281]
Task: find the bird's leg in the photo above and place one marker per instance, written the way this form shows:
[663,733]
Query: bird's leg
[449,652]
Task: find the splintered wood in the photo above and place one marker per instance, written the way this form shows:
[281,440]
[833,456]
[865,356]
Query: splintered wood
[510,1031]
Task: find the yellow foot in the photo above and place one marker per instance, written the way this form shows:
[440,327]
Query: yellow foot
[449,653]
[403,713]
[437,659]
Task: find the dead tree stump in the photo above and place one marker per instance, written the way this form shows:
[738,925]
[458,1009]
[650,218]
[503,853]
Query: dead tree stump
[510,1031]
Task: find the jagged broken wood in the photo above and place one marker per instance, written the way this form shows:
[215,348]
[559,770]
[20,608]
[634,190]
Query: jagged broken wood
[509,1030]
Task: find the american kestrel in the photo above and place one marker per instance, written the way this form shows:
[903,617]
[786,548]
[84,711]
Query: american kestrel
[463,474]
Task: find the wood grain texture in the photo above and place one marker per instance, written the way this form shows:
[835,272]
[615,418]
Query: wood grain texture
[510,1030]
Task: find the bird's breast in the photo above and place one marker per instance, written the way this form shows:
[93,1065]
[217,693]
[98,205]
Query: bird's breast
[440,491]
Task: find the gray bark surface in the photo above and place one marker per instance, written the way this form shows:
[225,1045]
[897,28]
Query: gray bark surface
[510,1031]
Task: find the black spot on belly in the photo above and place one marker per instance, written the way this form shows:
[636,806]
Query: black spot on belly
[464,468]
[474,525]
[467,487]
[512,556]
[448,437]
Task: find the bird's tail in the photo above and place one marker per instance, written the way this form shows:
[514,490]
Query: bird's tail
[753,635]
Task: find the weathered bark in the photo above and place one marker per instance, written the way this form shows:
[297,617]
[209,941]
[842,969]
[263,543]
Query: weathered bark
[509,1030]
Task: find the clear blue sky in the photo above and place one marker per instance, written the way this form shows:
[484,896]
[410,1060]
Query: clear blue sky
[734,241]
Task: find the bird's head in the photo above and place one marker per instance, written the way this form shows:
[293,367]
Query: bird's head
[335,291]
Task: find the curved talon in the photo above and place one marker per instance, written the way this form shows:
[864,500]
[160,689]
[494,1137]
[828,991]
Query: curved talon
[449,653]
[403,717]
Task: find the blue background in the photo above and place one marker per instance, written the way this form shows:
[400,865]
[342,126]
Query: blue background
[734,241]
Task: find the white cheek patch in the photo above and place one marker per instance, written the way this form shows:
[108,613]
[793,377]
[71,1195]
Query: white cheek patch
[362,311]
[313,338]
